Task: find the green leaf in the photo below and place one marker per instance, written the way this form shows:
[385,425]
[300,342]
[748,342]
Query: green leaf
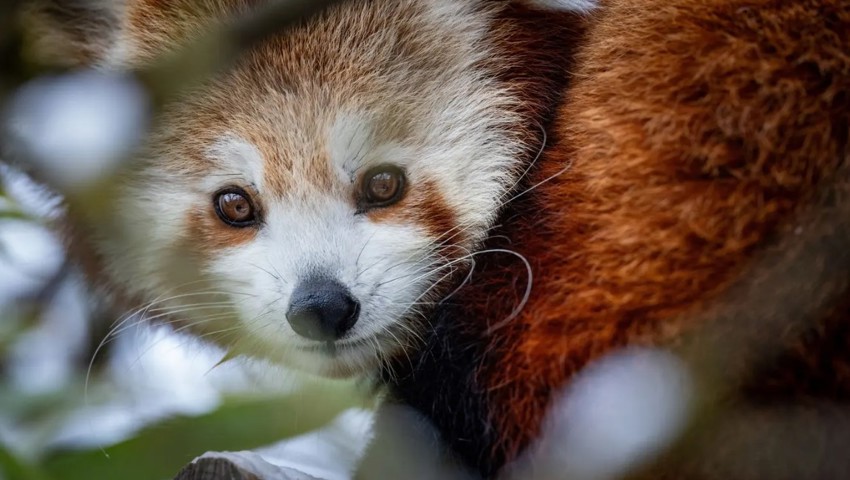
[13,215]
[16,469]
[161,451]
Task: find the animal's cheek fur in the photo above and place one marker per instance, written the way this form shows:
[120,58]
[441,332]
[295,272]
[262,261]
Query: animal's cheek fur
[207,235]
[425,207]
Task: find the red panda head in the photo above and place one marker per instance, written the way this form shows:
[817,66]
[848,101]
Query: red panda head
[328,185]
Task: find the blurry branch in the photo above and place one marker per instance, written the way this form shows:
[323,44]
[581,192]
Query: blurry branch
[31,307]
[27,310]
[213,469]
[791,286]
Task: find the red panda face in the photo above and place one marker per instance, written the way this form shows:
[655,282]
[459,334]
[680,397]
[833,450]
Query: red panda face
[326,188]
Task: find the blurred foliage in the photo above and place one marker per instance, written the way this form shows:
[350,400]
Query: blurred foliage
[16,469]
[11,322]
[161,450]
[9,210]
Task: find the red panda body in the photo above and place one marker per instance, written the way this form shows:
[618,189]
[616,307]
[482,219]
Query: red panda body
[692,132]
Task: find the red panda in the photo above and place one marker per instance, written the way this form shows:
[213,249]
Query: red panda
[691,133]
[339,178]
[327,186]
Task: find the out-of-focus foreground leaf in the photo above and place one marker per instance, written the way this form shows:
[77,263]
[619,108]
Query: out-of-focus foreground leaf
[162,450]
[15,469]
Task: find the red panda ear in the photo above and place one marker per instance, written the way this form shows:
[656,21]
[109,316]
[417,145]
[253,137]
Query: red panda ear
[563,5]
[70,33]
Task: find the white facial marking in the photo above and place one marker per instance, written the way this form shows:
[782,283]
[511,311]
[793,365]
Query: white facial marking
[238,158]
[349,141]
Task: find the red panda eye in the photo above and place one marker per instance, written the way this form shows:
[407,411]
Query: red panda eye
[234,208]
[382,186]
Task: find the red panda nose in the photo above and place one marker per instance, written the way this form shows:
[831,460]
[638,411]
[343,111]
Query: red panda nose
[322,309]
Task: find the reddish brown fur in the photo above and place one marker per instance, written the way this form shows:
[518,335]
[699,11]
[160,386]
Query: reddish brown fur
[423,206]
[66,33]
[693,130]
[209,236]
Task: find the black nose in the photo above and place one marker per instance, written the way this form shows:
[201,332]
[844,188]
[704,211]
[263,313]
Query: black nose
[322,309]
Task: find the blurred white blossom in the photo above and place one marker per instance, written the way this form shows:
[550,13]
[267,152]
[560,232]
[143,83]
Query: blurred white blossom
[154,374]
[29,256]
[618,413]
[44,359]
[406,445]
[77,127]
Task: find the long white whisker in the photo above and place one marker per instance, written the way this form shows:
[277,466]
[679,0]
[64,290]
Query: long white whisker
[516,311]
[120,325]
[542,182]
[168,312]
[463,283]
[123,320]
[193,324]
[438,260]
[525,172]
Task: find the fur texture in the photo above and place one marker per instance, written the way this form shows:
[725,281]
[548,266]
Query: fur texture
[692,132]
[454,93]
[71,33]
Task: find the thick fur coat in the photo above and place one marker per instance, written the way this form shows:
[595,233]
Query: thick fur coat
[691,133]
[687,134]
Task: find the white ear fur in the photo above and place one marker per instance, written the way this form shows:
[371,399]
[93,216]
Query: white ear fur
[565,5]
